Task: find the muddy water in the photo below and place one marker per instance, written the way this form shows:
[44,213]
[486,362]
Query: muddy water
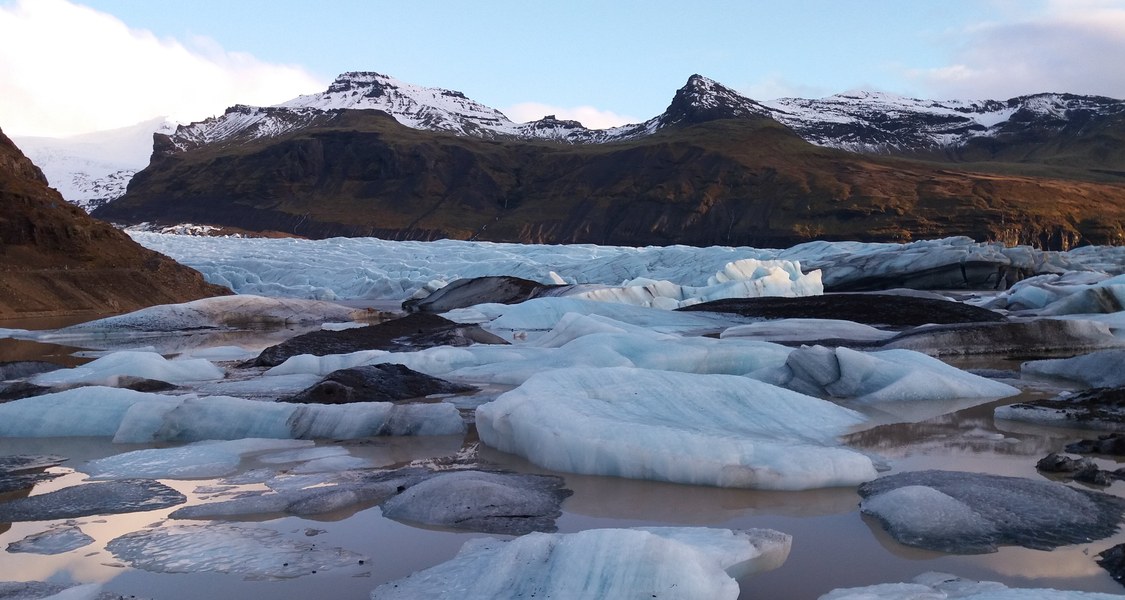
[834,546]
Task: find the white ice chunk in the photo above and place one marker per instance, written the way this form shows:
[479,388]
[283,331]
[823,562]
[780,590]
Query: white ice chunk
[941,586]
[85,411]
[193,461]
[52,541]
[698,429]
[149,365]
[598,563]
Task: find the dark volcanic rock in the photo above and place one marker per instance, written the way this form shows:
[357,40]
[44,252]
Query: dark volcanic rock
[1113,560]
[488,502]
[412,332]
[100,498]
[972,513]
[1110,443]
[25,368]
[501,289]
[871,309]
[387,382]
[22,472]
[1099,408]
[1042,337]
[1057,463]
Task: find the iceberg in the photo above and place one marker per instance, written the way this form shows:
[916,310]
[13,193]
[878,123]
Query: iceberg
[808,330]
[718,430]
[939,586]
[973,513]
[248,551]
[138,417]
[690,563]
[1096,369]
[883,376]
[108,369]
[193,461]
[56,540]
[99,498]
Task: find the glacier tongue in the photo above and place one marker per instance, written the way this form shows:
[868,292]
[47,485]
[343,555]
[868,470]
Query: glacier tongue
[689,563]
[697,429]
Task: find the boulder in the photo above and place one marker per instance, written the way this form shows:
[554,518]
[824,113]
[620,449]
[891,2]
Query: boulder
[387,382]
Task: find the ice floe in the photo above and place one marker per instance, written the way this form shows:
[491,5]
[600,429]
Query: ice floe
[1096,369]
[52,541]
[193,461]
[808,330]
[108,369]
[138,417]
[941,586]
[99,498]
[971,513]
[249,551]
[687,563]
[699,429]
[1074,292]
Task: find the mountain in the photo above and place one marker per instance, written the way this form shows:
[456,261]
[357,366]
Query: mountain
[56,260]
[373,156]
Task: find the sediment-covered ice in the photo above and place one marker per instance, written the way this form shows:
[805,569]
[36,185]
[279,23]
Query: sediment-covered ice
[942,586]
[1096,369]
[1074,292]
[238,311]
[698,429]
[971,513]
[249,551]
[137,417]
[883,376]
[199,460]
[99,498]
[687,563]
[108,369]
[808,330]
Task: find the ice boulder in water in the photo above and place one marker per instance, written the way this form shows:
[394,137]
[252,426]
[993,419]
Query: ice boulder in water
[101,498]
[222,311]
[716,430]
[248,551]
[53,541]
[941,586]
[198,460]
[883,376]
[972,513]
[1097,369]
[86,411]
[666,562]
[149,365]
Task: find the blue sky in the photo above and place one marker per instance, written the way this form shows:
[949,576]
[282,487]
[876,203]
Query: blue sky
[603,62]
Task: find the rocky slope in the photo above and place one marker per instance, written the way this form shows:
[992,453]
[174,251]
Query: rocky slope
[55,260]
[714,168]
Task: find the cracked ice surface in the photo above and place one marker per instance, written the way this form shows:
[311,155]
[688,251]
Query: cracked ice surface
[252,552]
[689,563]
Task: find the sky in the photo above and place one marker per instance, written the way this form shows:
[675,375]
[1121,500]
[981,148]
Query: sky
[69,67]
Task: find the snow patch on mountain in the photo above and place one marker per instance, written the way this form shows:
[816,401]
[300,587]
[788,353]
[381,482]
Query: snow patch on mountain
[93,168]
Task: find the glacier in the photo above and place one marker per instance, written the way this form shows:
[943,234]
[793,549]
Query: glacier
[690,563]
[715,430]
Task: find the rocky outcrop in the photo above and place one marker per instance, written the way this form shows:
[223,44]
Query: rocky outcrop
[55,260]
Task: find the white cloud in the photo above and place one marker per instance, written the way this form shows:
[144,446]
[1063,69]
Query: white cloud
[589,116]
[1073,46]
[67,69]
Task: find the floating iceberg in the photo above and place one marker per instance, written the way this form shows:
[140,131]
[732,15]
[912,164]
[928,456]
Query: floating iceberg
[198,460]
[223,311]
[716,430]
[249,551]
[940,586]
[148,365]
[137,417]
[972,513]
[887,375]
[1075,292]
[99,498]
[52,541]
[808,330]
[686,563]
[1097,369]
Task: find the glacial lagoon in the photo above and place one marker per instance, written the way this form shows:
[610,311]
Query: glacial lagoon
[908,418]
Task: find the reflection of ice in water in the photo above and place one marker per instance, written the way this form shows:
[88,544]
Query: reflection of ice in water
[252,552]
